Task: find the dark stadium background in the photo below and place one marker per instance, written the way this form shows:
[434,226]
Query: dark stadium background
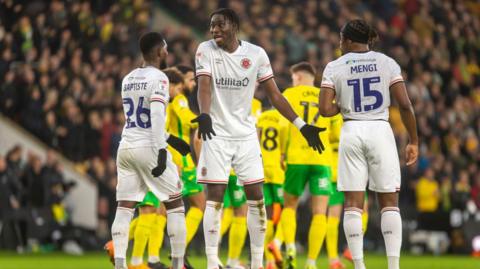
[61,64]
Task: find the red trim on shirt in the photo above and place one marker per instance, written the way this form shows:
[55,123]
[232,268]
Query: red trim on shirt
[265,78]
[203,74]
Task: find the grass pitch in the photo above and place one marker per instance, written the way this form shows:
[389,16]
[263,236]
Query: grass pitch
[98,260]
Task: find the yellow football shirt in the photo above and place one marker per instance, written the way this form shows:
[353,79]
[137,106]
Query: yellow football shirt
[179,116]
[304,101]
[268,126]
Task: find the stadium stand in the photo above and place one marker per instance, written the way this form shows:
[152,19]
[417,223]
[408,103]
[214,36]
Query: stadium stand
[61,65]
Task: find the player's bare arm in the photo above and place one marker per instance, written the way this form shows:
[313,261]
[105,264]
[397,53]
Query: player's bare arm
[204,120]
[310,132]
[399,92]
[326,103]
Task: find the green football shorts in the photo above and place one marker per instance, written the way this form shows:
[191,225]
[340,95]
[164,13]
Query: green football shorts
[149,200]
[317,176]
[337,197]
[273,193]
[234,194]
[190,185]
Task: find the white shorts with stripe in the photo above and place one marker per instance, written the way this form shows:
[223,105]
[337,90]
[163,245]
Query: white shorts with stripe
[219,155]
[368,154]
[134,166]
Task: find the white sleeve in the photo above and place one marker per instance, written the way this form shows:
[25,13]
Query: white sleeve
[395,72]
[264,67]
[328,80]
[202,61]
[158,104]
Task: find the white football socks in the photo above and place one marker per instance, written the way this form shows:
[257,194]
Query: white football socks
[211,230]
[177,232]
[352,225]
[257,225]
[391,224]
[120,228]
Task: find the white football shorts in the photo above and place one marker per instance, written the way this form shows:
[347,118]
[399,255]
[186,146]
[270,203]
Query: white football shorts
[368,154]
[135,179]
[219,155]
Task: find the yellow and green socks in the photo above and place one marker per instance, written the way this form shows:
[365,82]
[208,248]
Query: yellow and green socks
[316,235]
[227,217]
[332,237]
[193,219]
[156,238]
[236,239]
[141,236]
[268,238]
[289,226]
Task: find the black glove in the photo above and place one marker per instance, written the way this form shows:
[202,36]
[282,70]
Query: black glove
[205,128]
[312,135]
[179,145]
[161,163]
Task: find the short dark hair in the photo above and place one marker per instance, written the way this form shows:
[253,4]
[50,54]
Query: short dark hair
[184,69]
[305,67]
[359,31]
[174,76]
[150,40]
[229,14]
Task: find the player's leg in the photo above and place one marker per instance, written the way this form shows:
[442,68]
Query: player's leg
[211,222]
[295,180]
[274,246]
[256,222]
[391,225]
[227,215]
[156,238]
[213,170]
[269,233]
[248,165]
[130,190]
[352,224]
[385,180]
[365,214]
[320,188]
[176,229]
[196,197]
[146,219]
[333,221]
[238,229]
[168,188]
[352,180]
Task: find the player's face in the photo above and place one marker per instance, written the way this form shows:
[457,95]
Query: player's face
[163,57]
[221,29]
[190,83]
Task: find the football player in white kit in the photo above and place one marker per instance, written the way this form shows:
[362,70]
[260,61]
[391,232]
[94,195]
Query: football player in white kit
[143,162]
[361,82]
[227,70]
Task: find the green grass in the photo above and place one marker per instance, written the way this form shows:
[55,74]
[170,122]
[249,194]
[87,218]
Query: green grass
[97,260]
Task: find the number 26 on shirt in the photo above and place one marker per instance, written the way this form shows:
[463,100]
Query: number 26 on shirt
[139,121]
[367,91]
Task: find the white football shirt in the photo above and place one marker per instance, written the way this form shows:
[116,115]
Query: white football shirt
[234,76]
[361,82]
[139,88]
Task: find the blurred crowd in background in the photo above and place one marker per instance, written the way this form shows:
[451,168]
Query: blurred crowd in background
[61,65]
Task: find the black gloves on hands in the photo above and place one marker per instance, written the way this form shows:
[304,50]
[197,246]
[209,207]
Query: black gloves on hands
[312,135]
[205,128]
[178,144]
[161,163]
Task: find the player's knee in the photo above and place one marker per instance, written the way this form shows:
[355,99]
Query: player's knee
[215,192]
[254,191]
[174,204]
[127,204]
